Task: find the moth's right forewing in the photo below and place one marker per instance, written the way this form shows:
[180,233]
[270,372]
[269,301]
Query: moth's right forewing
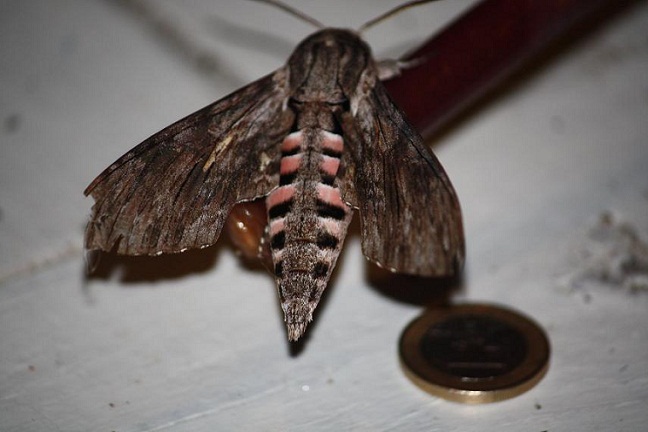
[410,215]
[174,191]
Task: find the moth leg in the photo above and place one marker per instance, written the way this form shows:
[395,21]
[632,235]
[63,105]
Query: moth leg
[391,68]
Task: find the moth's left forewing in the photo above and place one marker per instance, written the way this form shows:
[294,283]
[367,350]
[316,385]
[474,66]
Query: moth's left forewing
[410,215]
[173,191]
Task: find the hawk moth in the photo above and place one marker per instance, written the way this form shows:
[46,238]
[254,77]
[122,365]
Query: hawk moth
[318,138]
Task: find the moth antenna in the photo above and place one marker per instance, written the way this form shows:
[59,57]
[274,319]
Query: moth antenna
[291,10]
[391,12]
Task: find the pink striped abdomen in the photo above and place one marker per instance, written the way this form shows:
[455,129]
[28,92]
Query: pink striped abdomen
[307,222]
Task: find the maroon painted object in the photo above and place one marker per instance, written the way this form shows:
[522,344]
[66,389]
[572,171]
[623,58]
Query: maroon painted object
[479,50]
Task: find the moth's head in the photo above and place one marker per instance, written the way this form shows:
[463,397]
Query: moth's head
[327,66]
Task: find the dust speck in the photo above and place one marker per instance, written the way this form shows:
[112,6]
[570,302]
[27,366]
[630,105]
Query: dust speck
[611,254]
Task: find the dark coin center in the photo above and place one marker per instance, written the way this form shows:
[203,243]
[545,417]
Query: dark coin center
[473,347]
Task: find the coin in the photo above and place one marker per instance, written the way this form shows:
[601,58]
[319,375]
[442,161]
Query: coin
[474,353]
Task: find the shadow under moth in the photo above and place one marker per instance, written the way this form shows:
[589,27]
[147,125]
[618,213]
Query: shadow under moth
[318,139]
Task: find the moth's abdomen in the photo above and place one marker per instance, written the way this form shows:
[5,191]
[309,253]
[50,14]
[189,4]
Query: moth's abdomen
[307,222]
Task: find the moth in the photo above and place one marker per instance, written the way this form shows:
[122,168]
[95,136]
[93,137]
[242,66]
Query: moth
[318,139]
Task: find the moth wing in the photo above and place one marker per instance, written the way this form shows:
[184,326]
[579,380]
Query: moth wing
[174,190]
[410,215]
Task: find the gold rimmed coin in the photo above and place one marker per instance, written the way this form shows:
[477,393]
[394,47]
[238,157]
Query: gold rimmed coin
[474,353]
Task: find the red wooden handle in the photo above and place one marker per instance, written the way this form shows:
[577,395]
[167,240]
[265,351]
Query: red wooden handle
[479,50]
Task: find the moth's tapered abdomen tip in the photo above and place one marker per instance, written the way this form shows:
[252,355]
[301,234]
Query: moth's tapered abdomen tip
[297,316]
[296,330]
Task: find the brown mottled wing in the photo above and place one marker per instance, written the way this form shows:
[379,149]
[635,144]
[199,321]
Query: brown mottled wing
[410,214]
[173,191]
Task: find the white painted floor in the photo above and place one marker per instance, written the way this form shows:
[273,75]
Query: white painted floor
[552,175]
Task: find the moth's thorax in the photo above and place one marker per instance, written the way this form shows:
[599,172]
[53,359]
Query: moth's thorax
[315,115]
[327,66]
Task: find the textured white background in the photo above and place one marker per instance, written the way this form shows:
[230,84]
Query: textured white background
[197,344]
